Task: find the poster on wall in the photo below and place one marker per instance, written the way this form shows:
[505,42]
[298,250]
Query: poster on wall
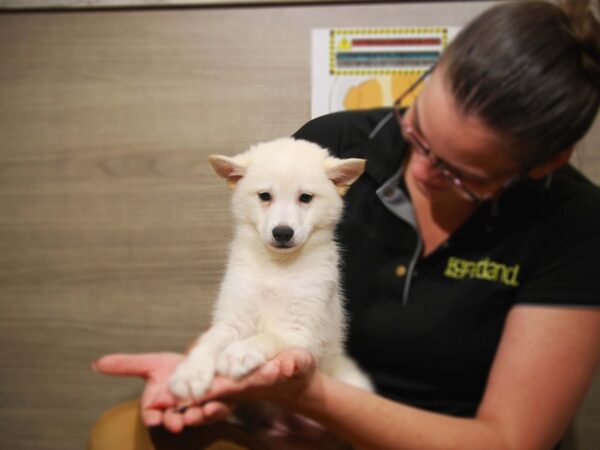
[361,68]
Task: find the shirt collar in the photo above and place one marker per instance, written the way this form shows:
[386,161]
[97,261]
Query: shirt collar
[386,142]
[396,199]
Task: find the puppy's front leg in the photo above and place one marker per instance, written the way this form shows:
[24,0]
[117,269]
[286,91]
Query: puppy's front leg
[242,357]
[195,374]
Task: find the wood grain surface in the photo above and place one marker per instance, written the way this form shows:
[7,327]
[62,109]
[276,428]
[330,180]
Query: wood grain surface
[113,229]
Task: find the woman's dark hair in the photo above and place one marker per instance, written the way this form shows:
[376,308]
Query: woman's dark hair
[531,70]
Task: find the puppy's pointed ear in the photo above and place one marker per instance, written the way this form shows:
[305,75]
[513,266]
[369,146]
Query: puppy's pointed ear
[231,169]
[344,172]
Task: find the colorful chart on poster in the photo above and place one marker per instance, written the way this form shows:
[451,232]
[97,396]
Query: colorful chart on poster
[360,68]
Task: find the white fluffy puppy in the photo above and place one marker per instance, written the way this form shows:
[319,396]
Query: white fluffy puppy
[281,286]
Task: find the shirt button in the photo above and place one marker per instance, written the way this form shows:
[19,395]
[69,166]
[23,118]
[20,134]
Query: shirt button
[400,271]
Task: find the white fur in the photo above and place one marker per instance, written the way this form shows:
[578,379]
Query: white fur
[277,295]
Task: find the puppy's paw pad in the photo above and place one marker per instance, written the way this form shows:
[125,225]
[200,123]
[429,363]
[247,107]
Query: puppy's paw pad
[239,359]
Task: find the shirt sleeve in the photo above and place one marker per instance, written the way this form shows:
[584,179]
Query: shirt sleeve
[343,130]
[565,269]
[325,131]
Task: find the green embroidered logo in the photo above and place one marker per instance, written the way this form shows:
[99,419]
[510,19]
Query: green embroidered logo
[484,269]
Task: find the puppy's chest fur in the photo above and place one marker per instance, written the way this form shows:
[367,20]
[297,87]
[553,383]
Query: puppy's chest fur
[280,290]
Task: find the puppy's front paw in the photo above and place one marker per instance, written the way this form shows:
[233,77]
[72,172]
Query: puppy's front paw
[192,378]
[239,359]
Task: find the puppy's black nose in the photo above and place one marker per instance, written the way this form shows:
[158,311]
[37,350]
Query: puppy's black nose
[283,234]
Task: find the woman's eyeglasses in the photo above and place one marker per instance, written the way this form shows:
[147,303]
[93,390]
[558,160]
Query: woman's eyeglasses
[419,145]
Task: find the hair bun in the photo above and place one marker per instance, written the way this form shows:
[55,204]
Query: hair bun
[584,17]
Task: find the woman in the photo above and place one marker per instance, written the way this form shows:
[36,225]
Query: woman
[470,253]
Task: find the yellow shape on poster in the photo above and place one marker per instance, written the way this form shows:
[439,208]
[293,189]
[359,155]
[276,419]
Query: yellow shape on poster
[401,82]
[366,95]
[381,91]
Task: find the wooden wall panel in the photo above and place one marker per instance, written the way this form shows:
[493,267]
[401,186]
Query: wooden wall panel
[113,229]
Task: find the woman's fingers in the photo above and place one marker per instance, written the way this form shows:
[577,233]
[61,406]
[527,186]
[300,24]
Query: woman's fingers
[120,364]
[173,421]
[217,411]
[152,417]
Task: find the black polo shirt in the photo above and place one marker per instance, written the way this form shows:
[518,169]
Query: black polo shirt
[427,328]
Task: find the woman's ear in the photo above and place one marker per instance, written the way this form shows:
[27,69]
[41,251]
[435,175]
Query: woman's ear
[556,162]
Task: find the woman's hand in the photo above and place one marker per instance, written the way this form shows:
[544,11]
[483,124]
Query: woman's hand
[158,405]
[281,380]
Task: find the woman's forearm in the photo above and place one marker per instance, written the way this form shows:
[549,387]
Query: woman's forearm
[371,422]
[544,364]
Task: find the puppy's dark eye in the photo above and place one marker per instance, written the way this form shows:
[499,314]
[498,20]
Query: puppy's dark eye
[306,198]
[264,196]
